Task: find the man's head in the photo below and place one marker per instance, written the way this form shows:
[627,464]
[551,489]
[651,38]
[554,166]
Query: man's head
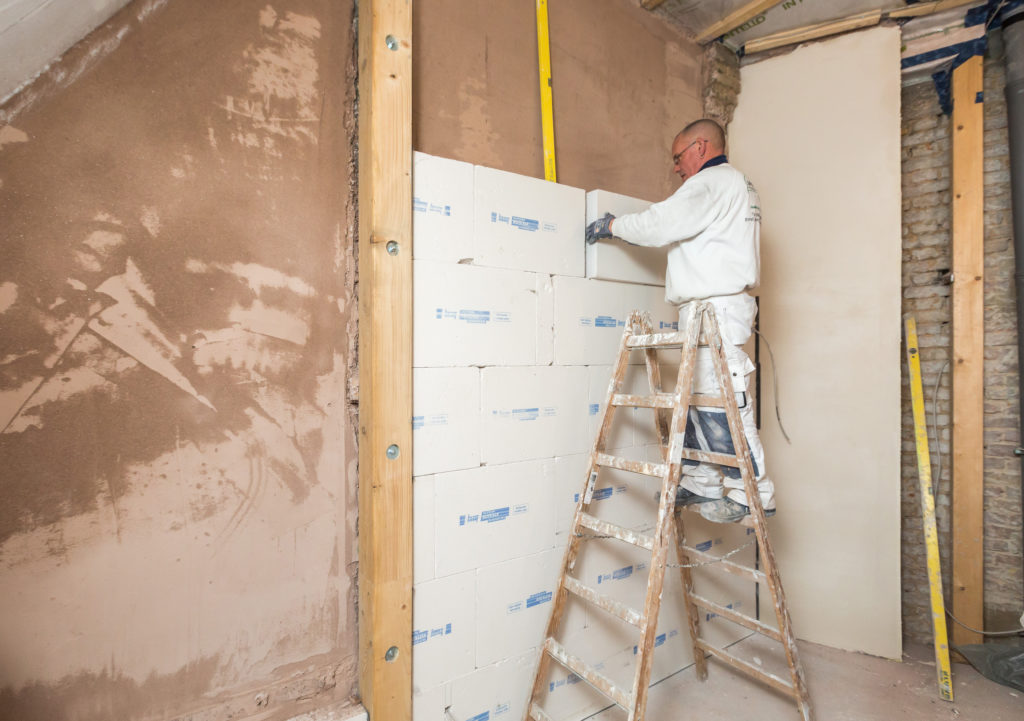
[696,144]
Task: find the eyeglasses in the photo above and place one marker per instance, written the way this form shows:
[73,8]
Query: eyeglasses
[677,156]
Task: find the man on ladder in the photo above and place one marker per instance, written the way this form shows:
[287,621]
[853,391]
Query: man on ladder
[711,226]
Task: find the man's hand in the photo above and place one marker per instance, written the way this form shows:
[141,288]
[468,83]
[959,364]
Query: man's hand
[600,228]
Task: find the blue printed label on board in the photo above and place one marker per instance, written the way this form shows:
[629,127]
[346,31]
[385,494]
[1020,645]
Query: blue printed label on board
[473,316]
[419,205]
[433,419]
[537,599]
[493,515]
[527,224]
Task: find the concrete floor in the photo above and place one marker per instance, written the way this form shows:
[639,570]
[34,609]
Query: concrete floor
[844,686]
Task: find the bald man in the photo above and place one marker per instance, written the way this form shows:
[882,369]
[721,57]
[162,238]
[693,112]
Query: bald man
[711,226]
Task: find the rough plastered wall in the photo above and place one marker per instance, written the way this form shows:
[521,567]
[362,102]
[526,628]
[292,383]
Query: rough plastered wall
[624,84]
[177,322]
[926,296]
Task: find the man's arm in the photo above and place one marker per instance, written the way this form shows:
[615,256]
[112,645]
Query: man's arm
[679,217]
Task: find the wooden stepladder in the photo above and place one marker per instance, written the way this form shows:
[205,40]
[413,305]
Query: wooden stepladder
[701,331]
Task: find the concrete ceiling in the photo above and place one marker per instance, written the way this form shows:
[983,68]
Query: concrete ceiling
[694,16]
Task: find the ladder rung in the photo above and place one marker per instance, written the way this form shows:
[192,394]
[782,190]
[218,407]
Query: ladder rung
[658,400]
[603,602]
[657,340]
[722,459]
[750,669]
[538,714]
[700,399]
[658,470]
[610,529]
[727,565]
[752,623]
[665,400]
[581,669]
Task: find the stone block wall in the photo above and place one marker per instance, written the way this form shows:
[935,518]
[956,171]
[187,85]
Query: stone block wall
[927,296]
[720,72]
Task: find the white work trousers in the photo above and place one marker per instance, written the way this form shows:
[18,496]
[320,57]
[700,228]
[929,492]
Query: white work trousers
[707,428]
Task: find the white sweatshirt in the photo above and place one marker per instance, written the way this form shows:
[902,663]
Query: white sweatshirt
[712,226]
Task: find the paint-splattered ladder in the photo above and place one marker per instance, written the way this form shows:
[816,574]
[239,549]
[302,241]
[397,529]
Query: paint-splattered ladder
[701,330]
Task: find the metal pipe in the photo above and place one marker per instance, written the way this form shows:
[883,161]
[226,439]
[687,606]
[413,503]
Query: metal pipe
[1013,55]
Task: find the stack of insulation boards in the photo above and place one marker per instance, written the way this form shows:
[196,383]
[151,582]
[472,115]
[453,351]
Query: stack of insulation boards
[512,354]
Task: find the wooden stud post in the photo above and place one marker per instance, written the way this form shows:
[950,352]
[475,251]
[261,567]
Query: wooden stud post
[385,358]
[968,349]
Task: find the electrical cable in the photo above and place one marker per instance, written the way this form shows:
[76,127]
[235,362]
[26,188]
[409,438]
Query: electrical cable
[985,633]
[935,492]
[775,384]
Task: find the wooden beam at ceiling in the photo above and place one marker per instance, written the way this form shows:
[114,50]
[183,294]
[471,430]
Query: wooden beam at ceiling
[919,9]
[968,205]
[813,32]
[385,358]
[852,22]
[736,18]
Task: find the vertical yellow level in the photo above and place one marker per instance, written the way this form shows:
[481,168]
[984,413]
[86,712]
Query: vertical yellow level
[931,535]
[547,118]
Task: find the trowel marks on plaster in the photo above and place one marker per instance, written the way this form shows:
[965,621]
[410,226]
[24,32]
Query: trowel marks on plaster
[10,134]
[477,138]
[140,336]
[283,99]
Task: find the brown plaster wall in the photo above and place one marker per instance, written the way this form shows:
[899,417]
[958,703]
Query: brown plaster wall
[177,331]
[624,84]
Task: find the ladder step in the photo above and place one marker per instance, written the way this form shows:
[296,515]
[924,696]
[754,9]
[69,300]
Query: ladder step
[750,669]
[722,459]
[581,669]
[701,399]
[665,400]
[656,340]
[603,602]
[658,400]
[752,623]
[726,565]
[538,714]
[658,470]
[604,528]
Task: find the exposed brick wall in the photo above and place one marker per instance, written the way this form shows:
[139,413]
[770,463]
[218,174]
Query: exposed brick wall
[926,296]
[721,77]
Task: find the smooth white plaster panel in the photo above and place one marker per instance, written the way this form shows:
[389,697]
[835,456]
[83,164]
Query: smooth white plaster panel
[527,223]
[590,316]
[498,692]
[830,307]
[442,208]
[422,529]
[614,259]
[444,629]
[493,513]
[445,420]
[466,315]
[514,602]
[533,412]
